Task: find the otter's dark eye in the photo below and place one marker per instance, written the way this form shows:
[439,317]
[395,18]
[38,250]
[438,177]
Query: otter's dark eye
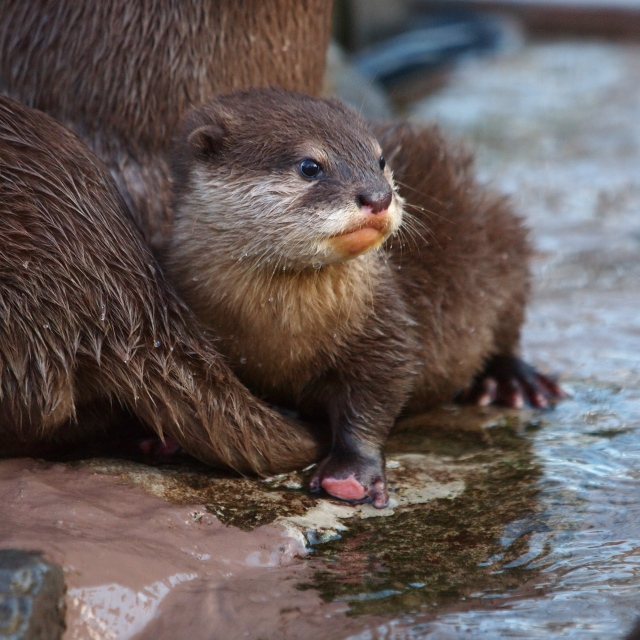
[383,162]
[309,168]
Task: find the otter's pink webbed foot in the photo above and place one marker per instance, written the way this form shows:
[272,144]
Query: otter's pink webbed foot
[353,480]
[511,382]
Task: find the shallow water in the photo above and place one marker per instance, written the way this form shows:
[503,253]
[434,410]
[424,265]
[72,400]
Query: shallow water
[568,566]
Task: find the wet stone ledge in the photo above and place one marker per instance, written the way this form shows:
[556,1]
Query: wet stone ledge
[457,477]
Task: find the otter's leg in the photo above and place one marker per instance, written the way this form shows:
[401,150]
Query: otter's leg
[86,317]
[462,262]
[506,379]
[362,396]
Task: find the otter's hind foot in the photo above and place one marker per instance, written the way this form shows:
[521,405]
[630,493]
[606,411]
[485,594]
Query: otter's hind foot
[511,382]
[153,447]
[352,478]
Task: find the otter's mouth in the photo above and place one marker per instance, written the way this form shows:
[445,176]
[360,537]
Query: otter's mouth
[361,238]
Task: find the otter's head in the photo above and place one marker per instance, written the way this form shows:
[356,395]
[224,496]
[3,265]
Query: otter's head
[282,178]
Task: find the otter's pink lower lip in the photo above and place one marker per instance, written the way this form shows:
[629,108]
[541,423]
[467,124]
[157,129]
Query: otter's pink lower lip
[353,243]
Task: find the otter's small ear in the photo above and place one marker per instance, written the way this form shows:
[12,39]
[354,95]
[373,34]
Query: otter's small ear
[206,141]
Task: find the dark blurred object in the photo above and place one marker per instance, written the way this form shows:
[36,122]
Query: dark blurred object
[616,19]
[436,40]
[360,92]
[408,48]
[31,597]
[396,42]
[634,634]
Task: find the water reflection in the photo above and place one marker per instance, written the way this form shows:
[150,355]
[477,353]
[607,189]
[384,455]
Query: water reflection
[564,507]
[448,551]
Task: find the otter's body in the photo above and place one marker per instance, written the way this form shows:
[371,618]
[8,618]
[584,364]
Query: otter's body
[462,265]
[281,203]
[120,75]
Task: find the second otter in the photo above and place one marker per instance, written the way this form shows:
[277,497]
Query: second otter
[281,200]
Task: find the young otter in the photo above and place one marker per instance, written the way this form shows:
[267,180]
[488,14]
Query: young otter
[280,202]
[465,277]
[88,323]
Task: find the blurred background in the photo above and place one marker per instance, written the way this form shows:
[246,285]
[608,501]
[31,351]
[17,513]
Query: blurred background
[406,48]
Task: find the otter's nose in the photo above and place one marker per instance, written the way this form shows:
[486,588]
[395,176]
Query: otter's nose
[375,202]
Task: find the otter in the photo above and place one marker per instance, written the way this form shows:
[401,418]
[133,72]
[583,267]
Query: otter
[121,76]
[89,324]
[285,244]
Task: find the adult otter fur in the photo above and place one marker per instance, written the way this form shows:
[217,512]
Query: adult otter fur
[281,201]
[88,322]
[121,74]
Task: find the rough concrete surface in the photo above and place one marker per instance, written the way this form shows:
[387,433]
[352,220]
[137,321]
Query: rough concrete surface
[502,524]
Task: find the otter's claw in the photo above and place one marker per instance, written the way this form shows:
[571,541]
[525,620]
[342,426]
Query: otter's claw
[511,382]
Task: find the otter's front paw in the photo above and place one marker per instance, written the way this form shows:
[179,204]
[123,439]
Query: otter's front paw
[511,382]
[353,478]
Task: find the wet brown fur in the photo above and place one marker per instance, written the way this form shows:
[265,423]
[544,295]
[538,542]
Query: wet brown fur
[86,317]
[462,262]
[121,75]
